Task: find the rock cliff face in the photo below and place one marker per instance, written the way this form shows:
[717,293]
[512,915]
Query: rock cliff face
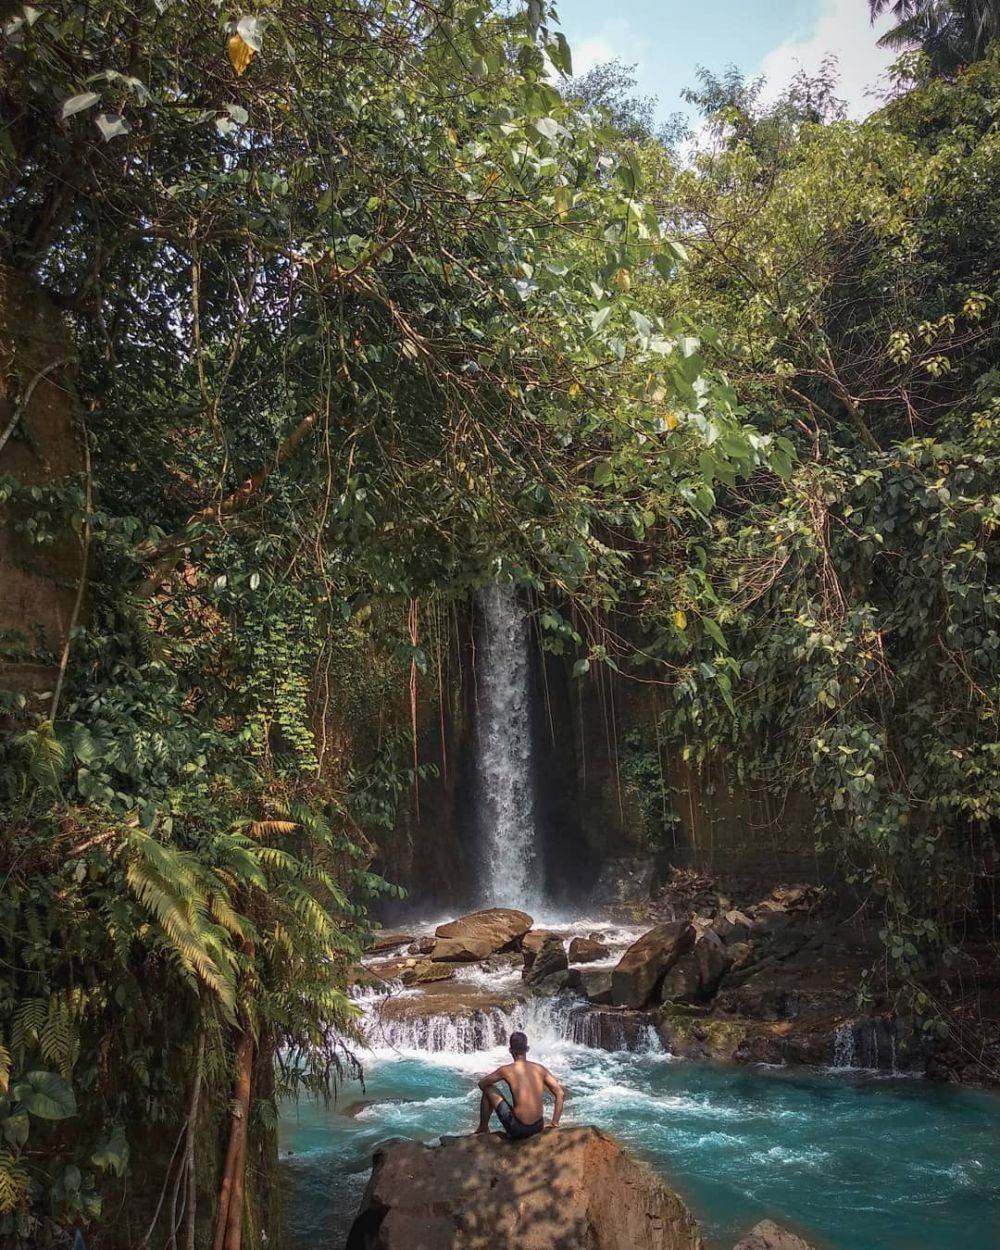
[573,1189]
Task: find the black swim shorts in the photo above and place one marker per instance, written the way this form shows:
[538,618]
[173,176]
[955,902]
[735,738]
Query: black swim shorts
[516,1131]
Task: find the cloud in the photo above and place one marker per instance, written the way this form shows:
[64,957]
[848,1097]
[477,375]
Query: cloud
[614,40]
[842,30]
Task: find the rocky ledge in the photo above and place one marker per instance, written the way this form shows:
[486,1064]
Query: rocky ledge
[562,1190]
[573,1189]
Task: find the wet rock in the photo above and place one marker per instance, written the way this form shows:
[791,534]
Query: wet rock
[479,934]
[592,983]
[383,942]
[533,942]
[549,960]
[421,946]
[414,971]
[572,1188]
[585,950]
[696,976]
[640,971]
[770,1236]
[609,1028]
[555,983]
[693,1036]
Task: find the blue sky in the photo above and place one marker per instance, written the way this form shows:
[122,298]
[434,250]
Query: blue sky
[667,39]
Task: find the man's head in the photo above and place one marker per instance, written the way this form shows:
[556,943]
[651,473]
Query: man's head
[518,1045]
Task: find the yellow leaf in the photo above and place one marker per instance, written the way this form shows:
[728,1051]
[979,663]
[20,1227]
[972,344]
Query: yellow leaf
[573,390]
[563,200]
[680,619]
[623,279]
[240,54]
[671,420]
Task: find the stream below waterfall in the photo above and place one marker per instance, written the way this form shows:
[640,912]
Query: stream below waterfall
[856,1162]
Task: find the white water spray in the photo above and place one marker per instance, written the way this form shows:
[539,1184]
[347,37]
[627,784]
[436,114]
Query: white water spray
[511,868]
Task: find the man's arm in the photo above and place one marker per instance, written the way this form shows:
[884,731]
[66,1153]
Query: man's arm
[558,1093]
[494,1078]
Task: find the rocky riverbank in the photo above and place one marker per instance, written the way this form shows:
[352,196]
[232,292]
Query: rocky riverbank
[701,973]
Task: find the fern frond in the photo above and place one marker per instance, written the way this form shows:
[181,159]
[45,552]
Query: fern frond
[266,828]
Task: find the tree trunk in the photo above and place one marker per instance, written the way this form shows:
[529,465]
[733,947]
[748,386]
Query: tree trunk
[229,1216]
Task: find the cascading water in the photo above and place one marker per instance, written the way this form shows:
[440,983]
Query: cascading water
[546,1021]
[510,865]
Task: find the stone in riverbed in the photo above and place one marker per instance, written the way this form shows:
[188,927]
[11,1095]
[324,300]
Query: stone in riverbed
[421,945]
[471,938]
[549,960]
[414,971]
[696,976]
[533,942]
[770,1236]
[585,950]
[593,983]
[640,971]
[573,1188]
[382,942]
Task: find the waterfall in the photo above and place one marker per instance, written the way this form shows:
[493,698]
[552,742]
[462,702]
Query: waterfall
[510,865]
[844,1048]
[546,1021]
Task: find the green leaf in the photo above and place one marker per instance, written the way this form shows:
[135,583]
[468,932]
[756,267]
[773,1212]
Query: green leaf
[603,473]
[15,1128]
[713,631]
[77,103]
[112,1155]
[548,127]
[598,319]
[111,125]
[581,667]
[46,1096]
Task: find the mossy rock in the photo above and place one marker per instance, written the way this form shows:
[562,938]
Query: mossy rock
[695,1036]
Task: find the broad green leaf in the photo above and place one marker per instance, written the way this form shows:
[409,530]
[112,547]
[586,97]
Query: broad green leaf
[15,1128]
[111,125]
[598,319]
[77,103]
[45,1095]
[112,1155]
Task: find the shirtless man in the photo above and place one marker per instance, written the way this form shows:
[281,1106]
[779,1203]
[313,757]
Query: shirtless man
[526,1082]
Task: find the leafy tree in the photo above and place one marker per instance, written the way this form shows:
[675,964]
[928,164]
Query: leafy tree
[952,33]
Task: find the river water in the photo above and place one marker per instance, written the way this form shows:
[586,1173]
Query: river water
[859,1163]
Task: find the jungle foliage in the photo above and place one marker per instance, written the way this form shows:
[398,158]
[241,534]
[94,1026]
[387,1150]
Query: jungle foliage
[367,313]
[850,271]
[351,294]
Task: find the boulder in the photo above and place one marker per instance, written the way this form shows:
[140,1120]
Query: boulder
[733,926]
[692,1036]
[481,933]
[382,942]
[698,974]
[592,983]
[770,1236]
[549,961]
[533,942]
[414,971]
[421,945]
[640,971]
[573,1188]
[585,950]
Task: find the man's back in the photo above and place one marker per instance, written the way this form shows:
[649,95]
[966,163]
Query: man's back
[527,1081]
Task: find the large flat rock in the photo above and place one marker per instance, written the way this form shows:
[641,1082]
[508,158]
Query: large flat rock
[570,1189]
[479,934]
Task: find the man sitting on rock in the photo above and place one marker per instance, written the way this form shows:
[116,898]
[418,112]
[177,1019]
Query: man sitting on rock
[526,1082]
